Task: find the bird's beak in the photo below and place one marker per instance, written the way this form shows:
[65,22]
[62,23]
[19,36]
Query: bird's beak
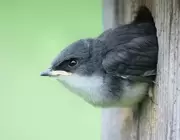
[52,73]
[46,73]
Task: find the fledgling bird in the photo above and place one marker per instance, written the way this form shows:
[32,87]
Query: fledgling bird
[114,69]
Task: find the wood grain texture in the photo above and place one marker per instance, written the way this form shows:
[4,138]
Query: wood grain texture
[161,121]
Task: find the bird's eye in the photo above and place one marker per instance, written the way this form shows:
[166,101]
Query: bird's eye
[72,63]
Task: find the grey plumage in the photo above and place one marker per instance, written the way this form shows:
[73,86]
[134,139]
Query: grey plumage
[115,68]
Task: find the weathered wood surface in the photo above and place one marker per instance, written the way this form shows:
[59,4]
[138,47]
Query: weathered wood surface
[161,121]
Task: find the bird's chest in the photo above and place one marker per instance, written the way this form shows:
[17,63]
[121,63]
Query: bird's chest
[96,92]
[89,88]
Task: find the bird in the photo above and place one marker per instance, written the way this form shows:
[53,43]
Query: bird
[113,69]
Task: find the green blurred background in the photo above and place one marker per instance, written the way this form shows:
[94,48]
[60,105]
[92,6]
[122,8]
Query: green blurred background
[32,32]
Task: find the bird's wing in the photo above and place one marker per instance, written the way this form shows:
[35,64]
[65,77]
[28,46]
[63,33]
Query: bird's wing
[135,60]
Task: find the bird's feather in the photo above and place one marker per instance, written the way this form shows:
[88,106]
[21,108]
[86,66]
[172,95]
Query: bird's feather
[132,49]
[137,58]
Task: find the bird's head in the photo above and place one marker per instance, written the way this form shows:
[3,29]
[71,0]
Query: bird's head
[82,57]
[78,68]
[72,60]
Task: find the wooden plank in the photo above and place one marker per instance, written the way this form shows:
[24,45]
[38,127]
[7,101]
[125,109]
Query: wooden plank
[161,122]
